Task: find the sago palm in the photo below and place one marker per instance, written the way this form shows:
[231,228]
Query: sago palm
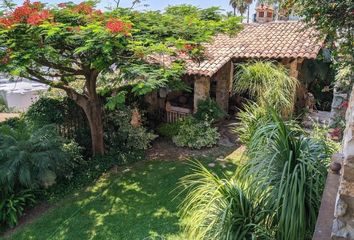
[29,158]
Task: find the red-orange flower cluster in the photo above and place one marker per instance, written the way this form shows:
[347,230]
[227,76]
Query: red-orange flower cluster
[115,25]
[30,13]
[83,8]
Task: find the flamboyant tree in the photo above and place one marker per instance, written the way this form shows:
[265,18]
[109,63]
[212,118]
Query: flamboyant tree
[70,43]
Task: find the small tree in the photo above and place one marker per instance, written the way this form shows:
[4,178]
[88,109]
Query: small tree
[70,43]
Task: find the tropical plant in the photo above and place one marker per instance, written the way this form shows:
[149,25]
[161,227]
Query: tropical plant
[196,134]
[78,43]
[31,158]
[241,6]
[251,117]
[269,84]
[209,110]
[292,166]
[13,205]
[224,209]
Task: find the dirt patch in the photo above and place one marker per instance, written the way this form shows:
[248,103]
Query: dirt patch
[5,116]
[165,149]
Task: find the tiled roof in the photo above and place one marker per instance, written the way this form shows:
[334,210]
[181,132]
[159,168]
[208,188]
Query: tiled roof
[291,39]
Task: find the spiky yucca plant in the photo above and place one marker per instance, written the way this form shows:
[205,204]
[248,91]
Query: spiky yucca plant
[292,167]
[250,119]
[224,209]
[269,84]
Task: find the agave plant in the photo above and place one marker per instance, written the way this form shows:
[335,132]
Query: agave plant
[292,167]
[269,84]
[30,158]
[222,209]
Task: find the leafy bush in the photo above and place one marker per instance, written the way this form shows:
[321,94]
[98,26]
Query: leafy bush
[217,208]
[196,134]
[169,130]
[122,135]
[13,206]
[31,159]
[209,110]
[46,111]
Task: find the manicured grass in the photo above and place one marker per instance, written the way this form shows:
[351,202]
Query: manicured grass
[137,203]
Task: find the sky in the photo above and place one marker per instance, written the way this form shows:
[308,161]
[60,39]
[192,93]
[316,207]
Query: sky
[156,4]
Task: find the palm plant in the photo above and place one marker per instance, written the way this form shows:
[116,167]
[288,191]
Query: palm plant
[292,167]
[240,5]
[30,158]
[222,208]
[268,84]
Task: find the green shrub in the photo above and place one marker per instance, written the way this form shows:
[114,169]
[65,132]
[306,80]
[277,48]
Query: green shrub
[209,110]
[12,206]
[120,135]
[169,130]
[46,111]
[31,157]
[196,134]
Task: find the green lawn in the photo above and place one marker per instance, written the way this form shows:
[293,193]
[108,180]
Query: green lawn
[138,203]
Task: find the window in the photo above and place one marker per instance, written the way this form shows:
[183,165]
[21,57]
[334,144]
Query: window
[261,14]
[269,14]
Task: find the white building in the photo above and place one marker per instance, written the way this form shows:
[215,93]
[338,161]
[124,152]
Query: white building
[19,95]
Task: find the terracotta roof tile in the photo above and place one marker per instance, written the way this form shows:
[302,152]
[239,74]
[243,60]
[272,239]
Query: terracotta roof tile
[291,39]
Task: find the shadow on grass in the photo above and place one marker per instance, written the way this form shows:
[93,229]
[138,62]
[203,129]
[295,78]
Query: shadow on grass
[139,203]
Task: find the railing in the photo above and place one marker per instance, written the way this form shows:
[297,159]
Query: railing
[174,114]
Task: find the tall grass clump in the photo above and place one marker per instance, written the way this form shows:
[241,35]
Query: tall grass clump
[292,166]
[275,194]
[268,84]
[222,209]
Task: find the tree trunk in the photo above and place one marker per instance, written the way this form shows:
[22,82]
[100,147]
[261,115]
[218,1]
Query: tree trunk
[234,11]
[92,106]
[93,111]
[248,13]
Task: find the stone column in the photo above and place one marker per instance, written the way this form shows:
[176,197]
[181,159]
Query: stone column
[223,86]
[201,90]
[343,224]
[294,68]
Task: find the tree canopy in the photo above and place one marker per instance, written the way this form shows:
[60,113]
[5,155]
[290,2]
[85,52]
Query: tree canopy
[67,43]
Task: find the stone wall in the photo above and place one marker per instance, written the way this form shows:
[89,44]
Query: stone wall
[343,224]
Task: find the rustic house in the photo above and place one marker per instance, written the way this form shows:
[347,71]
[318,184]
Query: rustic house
[291,43]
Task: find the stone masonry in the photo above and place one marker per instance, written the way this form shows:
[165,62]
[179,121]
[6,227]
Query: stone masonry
[343,224]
